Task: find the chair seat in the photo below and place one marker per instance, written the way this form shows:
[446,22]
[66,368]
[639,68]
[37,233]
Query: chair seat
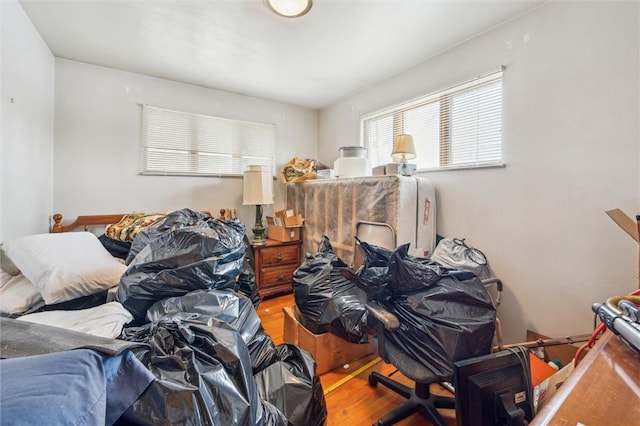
[407,365]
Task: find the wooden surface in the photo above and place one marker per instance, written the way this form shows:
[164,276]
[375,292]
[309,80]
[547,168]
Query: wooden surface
[604,389]
[275,263]
[87,221]
[351,401]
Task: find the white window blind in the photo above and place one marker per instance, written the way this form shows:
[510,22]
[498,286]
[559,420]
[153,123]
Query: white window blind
[459,127]
[180,143]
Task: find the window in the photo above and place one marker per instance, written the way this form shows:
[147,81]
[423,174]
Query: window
[179,143]
[460,127]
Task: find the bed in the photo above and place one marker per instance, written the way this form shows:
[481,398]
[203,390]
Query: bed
[181,304]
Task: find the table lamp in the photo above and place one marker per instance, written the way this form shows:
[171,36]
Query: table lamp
[403,150]
[258,190]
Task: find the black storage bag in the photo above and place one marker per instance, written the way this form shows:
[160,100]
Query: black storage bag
[442,320]
[291,384]
[326,300]
[182,252]
[284,374]
[203,375]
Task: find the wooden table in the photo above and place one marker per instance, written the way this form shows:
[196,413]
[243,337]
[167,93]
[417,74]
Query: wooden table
[604,389]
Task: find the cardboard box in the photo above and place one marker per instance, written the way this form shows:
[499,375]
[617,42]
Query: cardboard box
[329,350]
[284,226]
[288,218]
[280,233]
[630,226]
[545,390]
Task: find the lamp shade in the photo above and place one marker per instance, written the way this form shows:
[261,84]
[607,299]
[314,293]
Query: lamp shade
[403,148]
[258,186]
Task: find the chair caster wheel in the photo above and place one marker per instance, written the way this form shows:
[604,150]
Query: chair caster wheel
[372,381]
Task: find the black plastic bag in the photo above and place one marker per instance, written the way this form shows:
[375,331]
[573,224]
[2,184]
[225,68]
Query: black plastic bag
[327,301]
[182,252]
[247,279]
[292,385]
[203,375]
[285,375]
[232,308]
[409,273]
[444,315]
[453,319]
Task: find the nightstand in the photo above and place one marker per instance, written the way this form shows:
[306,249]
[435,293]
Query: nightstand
[275,263]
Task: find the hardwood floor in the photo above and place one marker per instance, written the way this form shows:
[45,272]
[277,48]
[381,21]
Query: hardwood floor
[350,399]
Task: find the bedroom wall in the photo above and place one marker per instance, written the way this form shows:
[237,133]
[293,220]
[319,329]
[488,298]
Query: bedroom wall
[97,138]
[26,125]
[572,150]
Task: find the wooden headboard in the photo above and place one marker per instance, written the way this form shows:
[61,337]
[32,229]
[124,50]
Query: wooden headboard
[93,220]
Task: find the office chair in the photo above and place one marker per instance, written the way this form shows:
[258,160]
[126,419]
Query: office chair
[419,398]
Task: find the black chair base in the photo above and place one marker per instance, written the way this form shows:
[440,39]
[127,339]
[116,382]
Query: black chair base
[419,399]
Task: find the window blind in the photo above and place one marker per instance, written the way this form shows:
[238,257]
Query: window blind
[180,143]
[458,127]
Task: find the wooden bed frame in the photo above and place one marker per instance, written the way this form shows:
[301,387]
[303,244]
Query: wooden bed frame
[94,220]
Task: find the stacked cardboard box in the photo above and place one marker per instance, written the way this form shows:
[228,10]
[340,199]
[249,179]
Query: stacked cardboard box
[284,226]
[329,350]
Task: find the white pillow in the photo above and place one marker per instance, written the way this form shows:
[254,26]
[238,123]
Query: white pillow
[17,294]
[105,320]
[65,266]
[7,265]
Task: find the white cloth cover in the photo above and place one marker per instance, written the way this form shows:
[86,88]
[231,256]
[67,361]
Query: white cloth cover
[104,321]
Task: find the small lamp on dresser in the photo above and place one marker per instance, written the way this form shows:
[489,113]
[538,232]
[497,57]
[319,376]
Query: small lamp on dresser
[258,191]
[404,149]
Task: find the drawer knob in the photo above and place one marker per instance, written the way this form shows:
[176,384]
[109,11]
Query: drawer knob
[279,257]
[280,276]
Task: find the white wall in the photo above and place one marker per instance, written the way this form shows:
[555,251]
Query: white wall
[572,148]
[26,126]
[97,139]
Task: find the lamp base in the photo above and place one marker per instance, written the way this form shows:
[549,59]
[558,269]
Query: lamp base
[404,169]
[259,238]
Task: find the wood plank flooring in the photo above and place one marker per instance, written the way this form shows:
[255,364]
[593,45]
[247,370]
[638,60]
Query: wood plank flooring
[354,402]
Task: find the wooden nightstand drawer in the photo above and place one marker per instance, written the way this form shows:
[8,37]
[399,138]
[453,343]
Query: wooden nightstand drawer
[280,255]
[277,275]
[275,263]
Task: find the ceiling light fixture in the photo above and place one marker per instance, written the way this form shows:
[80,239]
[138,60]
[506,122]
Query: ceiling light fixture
[289,8]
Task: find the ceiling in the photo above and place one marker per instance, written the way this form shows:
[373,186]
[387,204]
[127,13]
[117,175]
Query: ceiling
[339,48]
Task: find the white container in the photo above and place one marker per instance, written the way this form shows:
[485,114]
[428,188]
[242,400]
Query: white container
[352,167]
[352,151]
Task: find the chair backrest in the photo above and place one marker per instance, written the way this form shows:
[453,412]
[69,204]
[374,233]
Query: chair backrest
[377,233]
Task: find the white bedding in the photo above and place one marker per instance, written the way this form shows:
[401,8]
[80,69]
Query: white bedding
[17,294]
[105,320]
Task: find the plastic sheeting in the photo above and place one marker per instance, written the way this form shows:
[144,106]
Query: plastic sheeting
[180,253]
[444,315]
[334,207]
[327,300]
[215,365]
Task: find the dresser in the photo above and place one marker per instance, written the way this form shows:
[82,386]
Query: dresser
[604,389]
[275,263]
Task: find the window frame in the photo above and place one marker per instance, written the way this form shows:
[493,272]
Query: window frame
[443,98]
[196,150]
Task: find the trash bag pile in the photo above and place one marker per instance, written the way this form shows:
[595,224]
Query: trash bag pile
[445,314]
[326,300]
[191,288]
